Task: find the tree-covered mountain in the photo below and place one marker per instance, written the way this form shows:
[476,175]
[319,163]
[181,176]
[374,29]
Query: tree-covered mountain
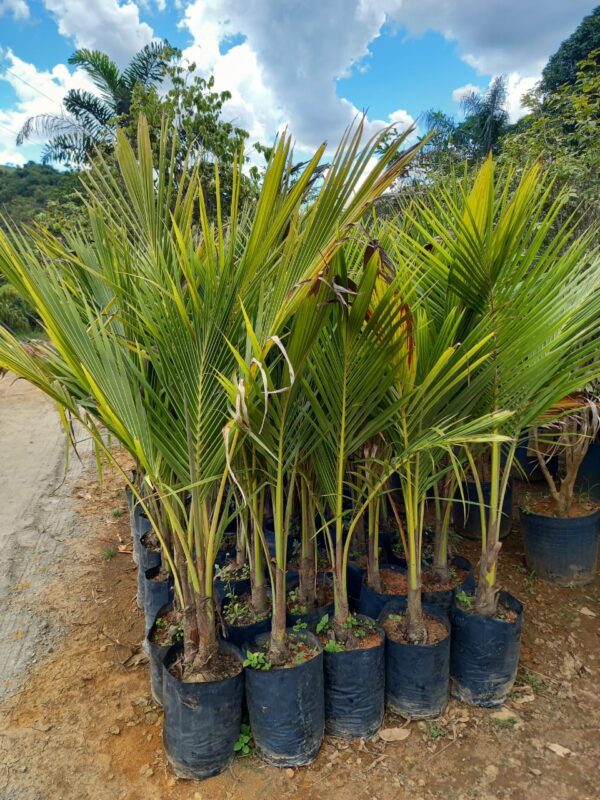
[26,191]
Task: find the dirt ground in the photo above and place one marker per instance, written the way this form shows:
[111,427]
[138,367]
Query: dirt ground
[35,523]
[81,724]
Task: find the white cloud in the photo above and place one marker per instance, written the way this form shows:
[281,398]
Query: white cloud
[517,86]
[458,95]
[18,8]
[498,35]
[37,92]
[107,25]
[285,70]
[13,157]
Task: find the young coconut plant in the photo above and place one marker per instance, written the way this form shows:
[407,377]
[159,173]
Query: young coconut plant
[361,382]
[269,408]
[140,319]
[267,398]
[350,380]
[502,260]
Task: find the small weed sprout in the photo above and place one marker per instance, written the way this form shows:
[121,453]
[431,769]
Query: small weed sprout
[507,724]
[243,746]
[322,623]
[465,600]
[256,660]
[435,730]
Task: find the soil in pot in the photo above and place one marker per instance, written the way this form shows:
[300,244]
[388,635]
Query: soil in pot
[202,712]
[242,623]
[433,591]
[166,629]
[148,557]
[354,677]
[561,549]
[485,650]
[297,612]
[158,592]
[393,584]
[286,703]
[323,564]
[417,682]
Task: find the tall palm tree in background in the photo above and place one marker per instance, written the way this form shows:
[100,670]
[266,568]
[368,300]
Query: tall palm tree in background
[486,118]
[90,120]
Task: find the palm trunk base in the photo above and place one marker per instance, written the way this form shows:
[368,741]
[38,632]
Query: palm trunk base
[440,568]
[414,624]
[260,598]
[307,588]
[279,651]
[486,599]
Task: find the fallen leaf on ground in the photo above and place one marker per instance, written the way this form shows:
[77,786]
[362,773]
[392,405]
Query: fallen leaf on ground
[587,612]
[559,750]
[136,660]
[523,698]
[504,713]
[394,734]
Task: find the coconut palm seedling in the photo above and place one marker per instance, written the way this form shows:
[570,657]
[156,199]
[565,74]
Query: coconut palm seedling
[438,379]
[349,382]
[495,253]
[142,320]
[147,321]
[560,533]
[268,399]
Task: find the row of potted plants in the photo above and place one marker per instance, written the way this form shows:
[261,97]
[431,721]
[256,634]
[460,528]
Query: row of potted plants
[302,371]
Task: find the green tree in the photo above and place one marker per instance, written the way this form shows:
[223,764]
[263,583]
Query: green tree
[562,67]
[562,130]
[188,119]
[89,120]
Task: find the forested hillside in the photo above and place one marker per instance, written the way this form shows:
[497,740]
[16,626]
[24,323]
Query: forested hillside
[26,191]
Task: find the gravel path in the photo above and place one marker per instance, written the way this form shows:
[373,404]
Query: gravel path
[36,520]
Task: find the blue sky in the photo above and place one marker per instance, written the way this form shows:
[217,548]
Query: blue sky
[307,64]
